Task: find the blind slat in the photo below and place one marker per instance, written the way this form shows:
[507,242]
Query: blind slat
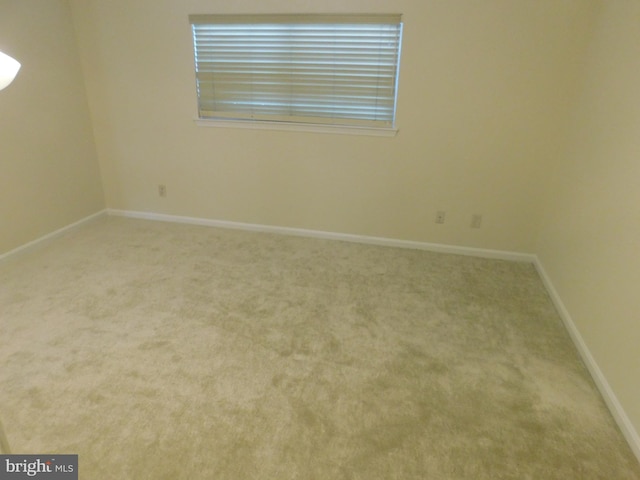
[319,69]
[296,19]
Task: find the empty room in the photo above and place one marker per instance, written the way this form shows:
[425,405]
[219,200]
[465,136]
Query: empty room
[269,239]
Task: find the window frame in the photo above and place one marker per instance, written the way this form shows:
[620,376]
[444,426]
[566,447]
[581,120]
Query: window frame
[341,125]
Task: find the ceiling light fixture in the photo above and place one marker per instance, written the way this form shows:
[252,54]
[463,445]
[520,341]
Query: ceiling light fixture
[8,70]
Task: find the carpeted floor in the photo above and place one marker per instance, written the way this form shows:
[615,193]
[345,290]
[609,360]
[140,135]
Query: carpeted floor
[162,351]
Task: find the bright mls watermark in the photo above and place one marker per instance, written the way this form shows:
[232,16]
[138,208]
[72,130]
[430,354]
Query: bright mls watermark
[46,467]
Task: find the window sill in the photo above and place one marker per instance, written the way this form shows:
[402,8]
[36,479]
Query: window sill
[298,127]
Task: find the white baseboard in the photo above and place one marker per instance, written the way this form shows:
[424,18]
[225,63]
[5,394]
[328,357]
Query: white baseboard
[345,237]
[620,416]
[47,238]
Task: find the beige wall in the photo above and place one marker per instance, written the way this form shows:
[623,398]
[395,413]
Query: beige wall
[48,163]
[590,244]
[484,91]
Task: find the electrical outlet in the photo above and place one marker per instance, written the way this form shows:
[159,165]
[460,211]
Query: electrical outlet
[476,220]
[440,216]
[162,190]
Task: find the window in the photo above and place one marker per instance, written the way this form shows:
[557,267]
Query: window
[304,69]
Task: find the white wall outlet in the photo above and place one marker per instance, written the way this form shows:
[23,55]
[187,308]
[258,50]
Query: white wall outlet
[162,190]
[476,220]
[440,216]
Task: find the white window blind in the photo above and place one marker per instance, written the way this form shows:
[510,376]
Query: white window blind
[318,69]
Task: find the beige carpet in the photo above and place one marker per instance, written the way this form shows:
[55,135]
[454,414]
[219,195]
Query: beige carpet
[160,351]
